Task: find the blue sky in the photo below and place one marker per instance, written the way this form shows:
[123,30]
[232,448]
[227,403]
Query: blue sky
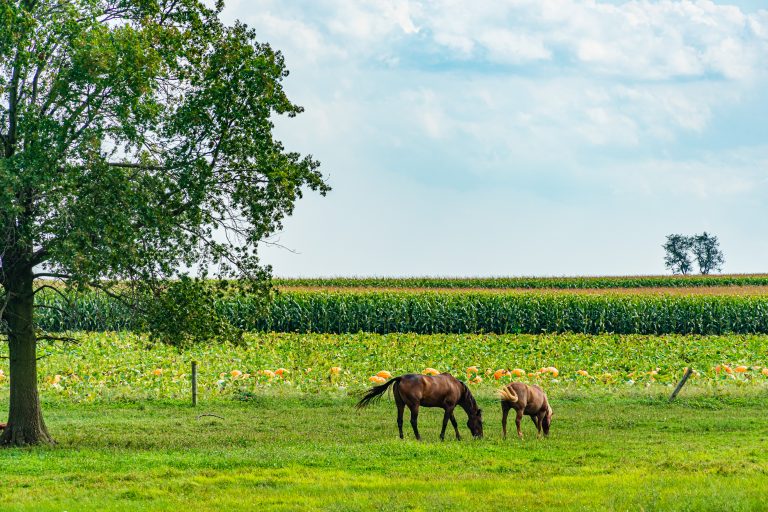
[521,137]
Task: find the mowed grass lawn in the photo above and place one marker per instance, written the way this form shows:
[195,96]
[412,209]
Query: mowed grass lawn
[296,452]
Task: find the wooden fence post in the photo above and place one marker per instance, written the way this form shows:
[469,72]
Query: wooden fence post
[194,383]
[688,372]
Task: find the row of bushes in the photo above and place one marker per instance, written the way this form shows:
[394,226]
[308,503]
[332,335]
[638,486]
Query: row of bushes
[430,313]
[532,282]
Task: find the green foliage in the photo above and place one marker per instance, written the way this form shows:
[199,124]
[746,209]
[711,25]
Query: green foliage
[431,313]
[136,141]
[677,256]
[184,312]
[706,249]
[528,282]
[113,367]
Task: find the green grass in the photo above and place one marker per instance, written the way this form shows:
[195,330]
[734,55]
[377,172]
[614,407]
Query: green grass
[310,453]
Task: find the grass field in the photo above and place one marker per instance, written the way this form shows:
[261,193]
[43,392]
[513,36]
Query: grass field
[129,440]
[311,453]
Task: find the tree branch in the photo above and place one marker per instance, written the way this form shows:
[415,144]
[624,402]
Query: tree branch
[51,337]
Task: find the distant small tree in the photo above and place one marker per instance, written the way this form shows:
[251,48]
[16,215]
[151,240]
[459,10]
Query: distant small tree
[677,257]
[706,250]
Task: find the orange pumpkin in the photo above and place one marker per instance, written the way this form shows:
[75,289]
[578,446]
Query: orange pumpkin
[335,370]
[376,379]
[384,374]
[430,371]
[280,371]
[583,373]
[765,372]
[499,374]
[235,373]
[472,369]
[518,372]
[741,369]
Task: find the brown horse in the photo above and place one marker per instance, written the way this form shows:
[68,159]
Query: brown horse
[443,390]
[528,400]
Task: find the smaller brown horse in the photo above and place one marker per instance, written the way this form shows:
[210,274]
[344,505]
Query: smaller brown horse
[525,399]
[443,390]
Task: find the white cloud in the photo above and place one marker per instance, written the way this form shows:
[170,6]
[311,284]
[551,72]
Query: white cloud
[736,173]
[506,46]
[643,40]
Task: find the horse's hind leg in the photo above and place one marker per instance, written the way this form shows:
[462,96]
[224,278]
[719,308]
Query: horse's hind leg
[400,408]
[415,420]
[455,426]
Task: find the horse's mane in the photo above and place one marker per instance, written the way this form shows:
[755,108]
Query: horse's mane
[467,396]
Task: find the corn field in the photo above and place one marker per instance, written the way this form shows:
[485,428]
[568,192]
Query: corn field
[459,313]
[532,282]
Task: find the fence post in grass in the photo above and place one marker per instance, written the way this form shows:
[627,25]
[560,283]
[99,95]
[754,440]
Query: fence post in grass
[194,383]
[688,372]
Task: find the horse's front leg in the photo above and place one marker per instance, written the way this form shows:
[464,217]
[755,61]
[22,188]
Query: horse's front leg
[446,416]
[455,426]
[537,421]
[504,413]
[415,420]
[518,419]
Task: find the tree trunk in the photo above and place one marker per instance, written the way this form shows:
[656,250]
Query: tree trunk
[25,419]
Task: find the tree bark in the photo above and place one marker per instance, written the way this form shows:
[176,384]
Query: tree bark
[25,419]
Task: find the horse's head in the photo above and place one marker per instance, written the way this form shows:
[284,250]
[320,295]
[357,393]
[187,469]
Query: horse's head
[474,413]
[547,421]
[475,423]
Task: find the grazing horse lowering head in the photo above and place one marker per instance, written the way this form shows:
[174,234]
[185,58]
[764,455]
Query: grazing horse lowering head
[474,413]
[547,420]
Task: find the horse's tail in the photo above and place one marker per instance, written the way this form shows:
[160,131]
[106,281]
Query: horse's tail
[373,394]
[507,394]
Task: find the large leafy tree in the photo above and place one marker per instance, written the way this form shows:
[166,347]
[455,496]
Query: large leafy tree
[135,140]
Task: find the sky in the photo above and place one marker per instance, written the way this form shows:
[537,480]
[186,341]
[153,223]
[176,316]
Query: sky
[521,137]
